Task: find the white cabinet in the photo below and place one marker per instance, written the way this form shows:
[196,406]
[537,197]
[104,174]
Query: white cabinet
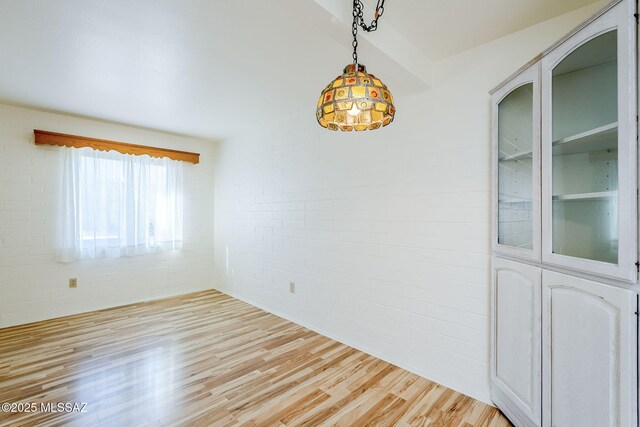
[564,327]
[590,361]
[516,345]
[589,159]
[565,155]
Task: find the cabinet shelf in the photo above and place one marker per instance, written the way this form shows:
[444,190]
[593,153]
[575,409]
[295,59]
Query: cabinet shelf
[513,198]
[517,156]
[583,197]
[602,138]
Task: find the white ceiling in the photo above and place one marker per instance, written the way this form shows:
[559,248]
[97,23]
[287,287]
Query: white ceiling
[441,28]
[206,67]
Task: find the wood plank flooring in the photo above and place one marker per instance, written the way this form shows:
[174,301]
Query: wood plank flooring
[207,359]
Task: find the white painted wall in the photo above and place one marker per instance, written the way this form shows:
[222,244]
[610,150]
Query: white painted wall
[34,287]
[386,234]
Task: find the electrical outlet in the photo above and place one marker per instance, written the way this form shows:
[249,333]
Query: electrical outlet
[73,282]
[292,287]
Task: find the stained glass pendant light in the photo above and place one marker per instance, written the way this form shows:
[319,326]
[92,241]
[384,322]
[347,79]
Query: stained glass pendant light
[356,99]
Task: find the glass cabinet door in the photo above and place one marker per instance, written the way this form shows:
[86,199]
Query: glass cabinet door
[588,138]
[516,136]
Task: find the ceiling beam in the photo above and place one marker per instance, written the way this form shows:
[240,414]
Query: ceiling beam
[390,42]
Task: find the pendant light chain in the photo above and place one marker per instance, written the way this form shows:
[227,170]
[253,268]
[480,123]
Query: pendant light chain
[358,20]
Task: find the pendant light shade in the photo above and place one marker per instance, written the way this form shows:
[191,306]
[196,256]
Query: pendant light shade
[357,101]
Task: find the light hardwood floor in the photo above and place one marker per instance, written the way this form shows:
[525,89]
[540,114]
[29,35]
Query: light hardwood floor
[208,359]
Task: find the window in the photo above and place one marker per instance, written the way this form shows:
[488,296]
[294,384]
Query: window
[115,205]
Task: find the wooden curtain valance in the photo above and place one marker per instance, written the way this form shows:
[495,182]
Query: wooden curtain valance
[64,140]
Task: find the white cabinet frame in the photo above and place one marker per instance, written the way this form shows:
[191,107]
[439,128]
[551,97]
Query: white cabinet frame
[530,75]
[619,16]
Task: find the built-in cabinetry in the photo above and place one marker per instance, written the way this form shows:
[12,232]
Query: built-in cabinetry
[564,346]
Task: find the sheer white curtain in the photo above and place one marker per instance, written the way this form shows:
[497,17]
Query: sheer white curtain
[115,204]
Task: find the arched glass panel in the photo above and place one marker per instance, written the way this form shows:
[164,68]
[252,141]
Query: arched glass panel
[515,173]
[585,151]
